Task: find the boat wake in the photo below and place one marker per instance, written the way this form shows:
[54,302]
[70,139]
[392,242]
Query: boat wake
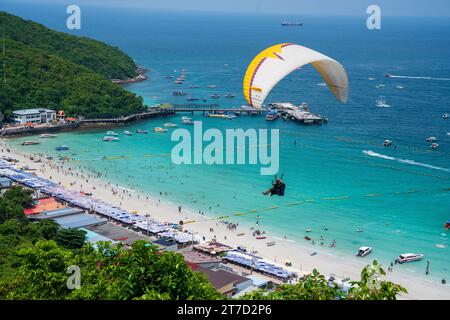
[405,161]
[419,78]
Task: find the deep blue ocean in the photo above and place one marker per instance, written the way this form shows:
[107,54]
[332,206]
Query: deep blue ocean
[398,195]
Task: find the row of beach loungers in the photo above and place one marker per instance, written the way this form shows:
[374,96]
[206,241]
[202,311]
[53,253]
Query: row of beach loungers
[88,203]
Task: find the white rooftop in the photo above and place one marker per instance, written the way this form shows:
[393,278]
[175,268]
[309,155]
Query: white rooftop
[32,111]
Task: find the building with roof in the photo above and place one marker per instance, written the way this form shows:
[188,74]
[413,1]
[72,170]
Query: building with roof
[70,218]
[200,259]
[117,233]
[93,237]
[34,116]
[5,183]
[166,244]
[226,282]
[47,204]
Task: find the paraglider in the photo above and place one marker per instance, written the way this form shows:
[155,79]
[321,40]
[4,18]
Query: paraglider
[277,187]
[273,64]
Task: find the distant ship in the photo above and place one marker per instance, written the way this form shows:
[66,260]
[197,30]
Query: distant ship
[291,23]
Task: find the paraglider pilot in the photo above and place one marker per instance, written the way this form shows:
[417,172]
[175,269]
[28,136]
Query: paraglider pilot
[277,187]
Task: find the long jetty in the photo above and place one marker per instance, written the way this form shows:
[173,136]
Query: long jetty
[151,113]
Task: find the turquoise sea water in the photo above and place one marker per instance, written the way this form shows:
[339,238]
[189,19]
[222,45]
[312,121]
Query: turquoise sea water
[401,205]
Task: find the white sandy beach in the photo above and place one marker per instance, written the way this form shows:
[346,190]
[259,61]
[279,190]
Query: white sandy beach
[419,287]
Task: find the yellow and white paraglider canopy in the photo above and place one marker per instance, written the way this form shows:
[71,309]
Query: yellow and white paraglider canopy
[273,64]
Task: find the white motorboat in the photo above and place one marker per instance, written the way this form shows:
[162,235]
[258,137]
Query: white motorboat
[431,139]
[409,257]
[364,251]
[381,103]
[111,133]
[159,129]
[445,116]
[30,143]
[170,125]
[188,121]
[434,145]
[128,133]
[387,143]
[185,118]
[110,138]
[400,87]
[47,135]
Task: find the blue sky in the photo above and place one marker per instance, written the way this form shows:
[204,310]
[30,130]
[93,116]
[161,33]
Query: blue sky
[325,7]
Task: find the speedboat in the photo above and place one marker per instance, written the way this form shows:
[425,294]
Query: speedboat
[128,133]
[431,139]
[214,96]
[445,116]
[29,143]
[434,145]
[364,251]
[111,133]
[110,138]
[381,103]
[141,131]
[272,115]
[409,257]
[170,125]
[185,118]
[62,148]
[188,121]
[387,143]
[159,129]
[308,230]
[229,95]
[447,225]
[400,87]
[211,115]
[47,135]
[388,75]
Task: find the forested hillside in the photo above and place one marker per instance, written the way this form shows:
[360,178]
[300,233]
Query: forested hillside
[52,70]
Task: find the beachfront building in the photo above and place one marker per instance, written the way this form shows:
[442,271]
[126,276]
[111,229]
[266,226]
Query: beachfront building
[225,282]
[34,116]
